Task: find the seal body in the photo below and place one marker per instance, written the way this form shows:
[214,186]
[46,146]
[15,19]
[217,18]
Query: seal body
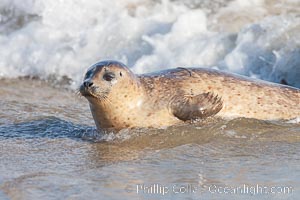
[119,99]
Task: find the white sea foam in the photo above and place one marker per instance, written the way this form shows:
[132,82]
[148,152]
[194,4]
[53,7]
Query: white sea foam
[255,38]
[294,121]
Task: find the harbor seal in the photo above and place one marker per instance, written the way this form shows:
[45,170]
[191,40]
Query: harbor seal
[120,99]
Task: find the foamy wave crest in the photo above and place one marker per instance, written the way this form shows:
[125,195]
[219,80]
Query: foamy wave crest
[253,38]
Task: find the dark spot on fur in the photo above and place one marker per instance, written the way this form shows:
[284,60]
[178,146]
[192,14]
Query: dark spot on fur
[284,82]
[121,74]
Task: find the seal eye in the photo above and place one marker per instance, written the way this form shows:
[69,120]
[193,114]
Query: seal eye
[108,76]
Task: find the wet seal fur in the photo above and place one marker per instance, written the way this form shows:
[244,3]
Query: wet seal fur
[120,99]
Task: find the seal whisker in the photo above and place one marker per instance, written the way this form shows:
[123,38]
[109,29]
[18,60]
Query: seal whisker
[78,93]
[105,100]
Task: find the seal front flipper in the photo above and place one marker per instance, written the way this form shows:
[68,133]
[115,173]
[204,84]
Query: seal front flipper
[189,107]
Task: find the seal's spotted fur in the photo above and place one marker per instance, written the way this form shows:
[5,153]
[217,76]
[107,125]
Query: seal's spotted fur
[120,99]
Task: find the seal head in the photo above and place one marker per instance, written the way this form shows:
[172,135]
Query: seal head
[113,92]
[101,77]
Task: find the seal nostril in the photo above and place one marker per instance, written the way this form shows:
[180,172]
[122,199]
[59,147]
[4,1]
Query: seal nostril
[88,83]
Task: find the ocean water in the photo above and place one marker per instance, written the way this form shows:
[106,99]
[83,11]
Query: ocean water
[49,147]
[62,38]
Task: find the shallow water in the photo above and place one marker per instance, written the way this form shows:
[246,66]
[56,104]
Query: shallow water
[49,149]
